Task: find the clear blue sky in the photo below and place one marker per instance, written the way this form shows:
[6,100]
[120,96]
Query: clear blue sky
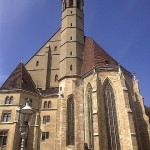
[121,27]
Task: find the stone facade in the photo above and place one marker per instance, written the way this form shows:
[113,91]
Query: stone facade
[83,99]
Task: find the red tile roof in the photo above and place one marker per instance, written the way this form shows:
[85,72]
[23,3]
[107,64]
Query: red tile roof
[19,79]
[95,57]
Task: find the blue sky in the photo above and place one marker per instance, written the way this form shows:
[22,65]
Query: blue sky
[121,27]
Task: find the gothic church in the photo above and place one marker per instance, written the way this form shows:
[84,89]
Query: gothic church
[84,100]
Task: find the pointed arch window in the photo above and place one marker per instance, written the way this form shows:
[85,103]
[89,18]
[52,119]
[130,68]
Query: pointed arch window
[70,122]
[90,117]
[111,118]
[7,100]
[37,63]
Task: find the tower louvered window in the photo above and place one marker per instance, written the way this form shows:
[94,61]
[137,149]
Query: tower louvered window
[90,118]
[71,3]
[111,118]
[70,122]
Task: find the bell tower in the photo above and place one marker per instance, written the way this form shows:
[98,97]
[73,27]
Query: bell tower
[72,38]
[70,131]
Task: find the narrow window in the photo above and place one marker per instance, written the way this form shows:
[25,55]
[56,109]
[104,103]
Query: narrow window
[45,135]
[70,67]
[56,78]
[111,117]
[3,138]
[71,38]
[6,116]
[70,122]
[11,100]
[71,24]
[71,12]
[90,117]
[45,104]
[71,3]
[7,100]
[70,53]
[49,104]
[37,63]
[55,48]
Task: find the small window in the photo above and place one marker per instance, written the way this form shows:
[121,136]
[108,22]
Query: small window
[71,12]
[7,100]
[45,135]
[71,38]
[70,67]
[3,138]
[55,48]
[11,100]
[49,104]
[6,116]
[46,119]
[56,78]
[29,101]
[45,104]
[60,88]
[107,62]
[71,24]
[37,63]
[70,53]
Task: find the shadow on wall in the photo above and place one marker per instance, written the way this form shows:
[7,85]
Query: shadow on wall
[142,125]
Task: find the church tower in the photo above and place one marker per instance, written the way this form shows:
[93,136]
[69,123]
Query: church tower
[72,38]
[70,104]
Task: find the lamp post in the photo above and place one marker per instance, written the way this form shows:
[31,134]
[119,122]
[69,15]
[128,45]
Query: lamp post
[25,119]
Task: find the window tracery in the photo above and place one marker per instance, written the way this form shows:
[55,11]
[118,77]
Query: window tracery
[70,122]
[111,118]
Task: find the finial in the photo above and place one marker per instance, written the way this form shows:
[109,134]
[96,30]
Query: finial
[22,59]
[134,76]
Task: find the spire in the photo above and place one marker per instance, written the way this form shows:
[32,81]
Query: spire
[19,80]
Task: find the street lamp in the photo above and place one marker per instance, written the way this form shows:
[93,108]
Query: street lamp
[25,118]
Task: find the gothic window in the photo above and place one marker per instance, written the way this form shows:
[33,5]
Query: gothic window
[90,117]
[6,116]
[3,138]
[56,78]
[64,5]
[70,122]
[111,118]
[49,104]
[37,63]
[71,3]
[45,135]
[45,104]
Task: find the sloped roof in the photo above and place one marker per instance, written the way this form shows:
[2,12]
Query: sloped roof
[95,57]
[19,79]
